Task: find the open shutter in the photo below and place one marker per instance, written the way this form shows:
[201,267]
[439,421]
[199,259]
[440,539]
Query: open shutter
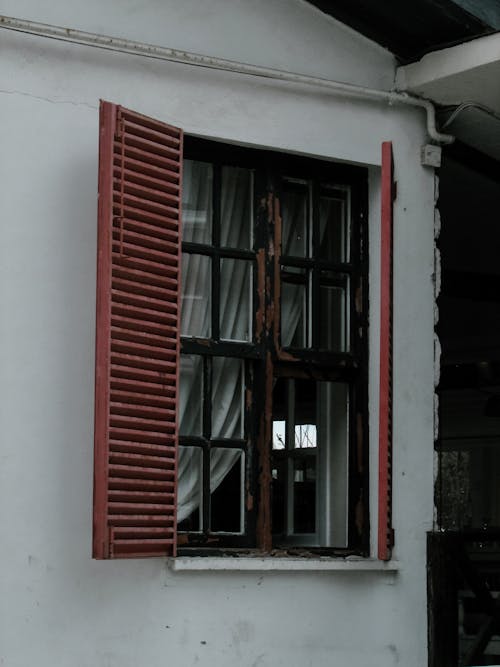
[137,335]
[385,531]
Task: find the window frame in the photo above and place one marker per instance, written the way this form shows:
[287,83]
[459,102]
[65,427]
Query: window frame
[270,359]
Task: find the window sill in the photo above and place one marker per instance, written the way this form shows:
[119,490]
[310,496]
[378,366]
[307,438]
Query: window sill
[263,564]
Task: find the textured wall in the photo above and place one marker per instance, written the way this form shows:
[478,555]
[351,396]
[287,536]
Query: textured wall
[58,607]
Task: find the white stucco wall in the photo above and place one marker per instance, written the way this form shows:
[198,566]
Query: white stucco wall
[57,606]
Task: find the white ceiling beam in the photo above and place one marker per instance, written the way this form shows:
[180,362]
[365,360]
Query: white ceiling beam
[469,71]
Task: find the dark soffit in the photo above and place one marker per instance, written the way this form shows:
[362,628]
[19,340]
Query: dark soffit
[408,28]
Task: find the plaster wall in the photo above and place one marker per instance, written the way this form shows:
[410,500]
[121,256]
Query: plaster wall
[57,605]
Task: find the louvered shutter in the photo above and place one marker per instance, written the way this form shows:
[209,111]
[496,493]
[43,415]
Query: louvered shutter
[385,531]
[137,335]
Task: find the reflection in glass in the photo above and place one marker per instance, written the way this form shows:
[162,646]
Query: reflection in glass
[235,299]
[279,435]
[191,395]
[227,397]
[226,485]
[195,298]
[333,232]
[294,214]
[197,182]
[189,477]
[305,436]
[236,208]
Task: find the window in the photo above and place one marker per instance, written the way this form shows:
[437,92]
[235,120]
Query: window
[272,351]
[272,409]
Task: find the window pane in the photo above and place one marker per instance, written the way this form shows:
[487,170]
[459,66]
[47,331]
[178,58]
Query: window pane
[280,413]
[305,436]
[333,462]
[226,487]
[191,395]
[235,299]
[236,208]
[195,303]
[304,495]
[333,226]
[310,473]
[190,494]
[293,314]
[227,398]
[334,313]
[278,494]
[197,179]
[279,434]
[304,392]
[295,214]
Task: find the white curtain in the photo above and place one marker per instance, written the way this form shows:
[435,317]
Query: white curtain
[235,324]
[293,214]
[235,318]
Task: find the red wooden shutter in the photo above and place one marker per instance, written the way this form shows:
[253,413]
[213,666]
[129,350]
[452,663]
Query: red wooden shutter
[385,531]
[137,335]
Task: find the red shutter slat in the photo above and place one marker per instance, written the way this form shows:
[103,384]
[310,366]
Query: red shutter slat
[385,531]
[138,174]
[137,335]
[154,160]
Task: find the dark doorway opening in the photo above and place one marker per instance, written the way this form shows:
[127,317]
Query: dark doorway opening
[464,551]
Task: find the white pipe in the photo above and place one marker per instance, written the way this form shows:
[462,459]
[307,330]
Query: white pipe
[471,105]
[198,60]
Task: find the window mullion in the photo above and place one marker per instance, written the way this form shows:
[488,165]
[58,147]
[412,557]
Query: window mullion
[216,256]
[314,278]
[290,445]
[207,432]
[266,219]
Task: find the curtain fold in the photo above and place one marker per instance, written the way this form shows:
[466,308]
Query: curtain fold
[227,373]
[235,321]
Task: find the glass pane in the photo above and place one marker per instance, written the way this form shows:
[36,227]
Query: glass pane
[190,489]
[304,414]
[295,214]
[304,495]
[334,313]
[305,436]
[227,397]
[333,462]
[279,434]
[333,227]
[197,179]
[191,395]
[236,208]
[235,299]
[278,493]
[280,413]
[195,302]
[226,488]
[293,314]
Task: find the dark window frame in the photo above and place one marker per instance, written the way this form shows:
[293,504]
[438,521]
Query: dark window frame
[266,359]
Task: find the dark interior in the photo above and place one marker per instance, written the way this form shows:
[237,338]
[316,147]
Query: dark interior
[468,444]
